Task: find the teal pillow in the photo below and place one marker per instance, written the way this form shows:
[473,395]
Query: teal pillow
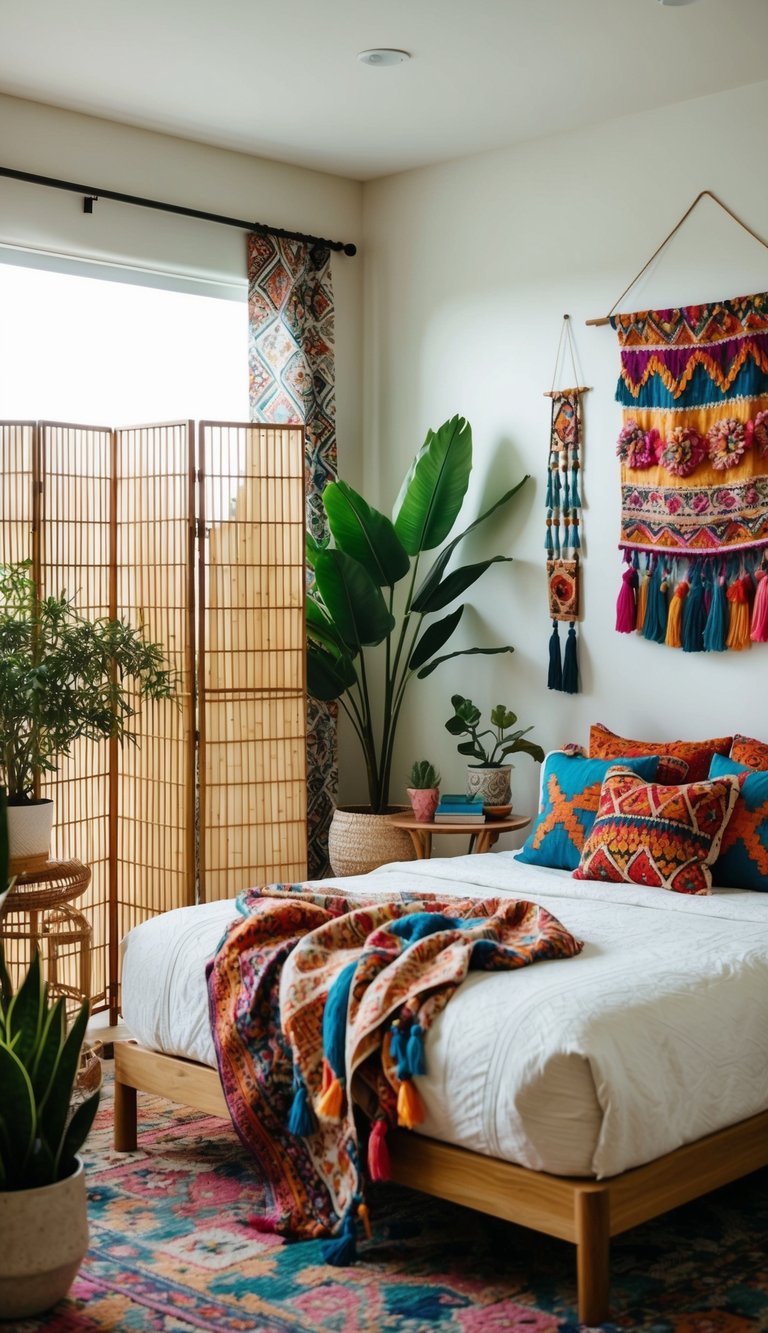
[570,795]
[743,859]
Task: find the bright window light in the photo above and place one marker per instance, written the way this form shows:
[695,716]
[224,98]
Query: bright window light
[95,352]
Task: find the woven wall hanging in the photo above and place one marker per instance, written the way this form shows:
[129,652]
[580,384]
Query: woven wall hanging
[563,523]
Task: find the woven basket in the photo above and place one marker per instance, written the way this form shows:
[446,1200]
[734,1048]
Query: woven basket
[359,841]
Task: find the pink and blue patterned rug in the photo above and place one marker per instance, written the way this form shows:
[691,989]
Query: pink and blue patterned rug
[172,1252]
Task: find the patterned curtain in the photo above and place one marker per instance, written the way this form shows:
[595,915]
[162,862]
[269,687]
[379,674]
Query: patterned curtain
[292,379]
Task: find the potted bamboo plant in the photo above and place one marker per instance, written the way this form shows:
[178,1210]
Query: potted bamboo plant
[62,677]
[43,1218]
[371,592]
[489,777]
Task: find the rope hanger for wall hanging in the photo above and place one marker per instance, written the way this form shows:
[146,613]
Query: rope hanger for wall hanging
[91,195]
[606,319]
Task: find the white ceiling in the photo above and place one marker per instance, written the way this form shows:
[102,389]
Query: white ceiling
[281,80]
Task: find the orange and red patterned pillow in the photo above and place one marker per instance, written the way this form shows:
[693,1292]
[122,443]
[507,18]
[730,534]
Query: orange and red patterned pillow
[747,751]
[664,837]
[605,744]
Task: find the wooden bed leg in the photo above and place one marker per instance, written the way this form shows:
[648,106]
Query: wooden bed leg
[592,1219]
[125,1118]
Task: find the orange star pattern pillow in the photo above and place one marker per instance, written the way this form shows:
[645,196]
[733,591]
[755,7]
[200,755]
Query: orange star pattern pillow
[743,859]
[605,744]
[747,751]
[660,836]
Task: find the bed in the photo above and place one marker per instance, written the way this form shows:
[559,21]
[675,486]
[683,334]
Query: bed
[586,1095]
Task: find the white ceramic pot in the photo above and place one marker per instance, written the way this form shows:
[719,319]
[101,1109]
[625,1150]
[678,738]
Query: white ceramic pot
[43,1241]
[492,785]
[29,835]
[359,841]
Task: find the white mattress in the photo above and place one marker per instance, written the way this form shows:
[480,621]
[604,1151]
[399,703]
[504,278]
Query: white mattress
[655,1035]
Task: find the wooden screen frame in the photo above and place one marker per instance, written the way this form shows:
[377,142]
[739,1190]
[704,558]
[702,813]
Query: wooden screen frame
[581,1210]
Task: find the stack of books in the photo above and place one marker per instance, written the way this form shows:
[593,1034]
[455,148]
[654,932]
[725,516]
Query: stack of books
[459,809]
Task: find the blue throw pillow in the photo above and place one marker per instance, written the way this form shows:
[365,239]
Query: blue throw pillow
[743,859]
[570,795]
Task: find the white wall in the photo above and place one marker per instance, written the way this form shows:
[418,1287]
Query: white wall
[469,269]
[45,141]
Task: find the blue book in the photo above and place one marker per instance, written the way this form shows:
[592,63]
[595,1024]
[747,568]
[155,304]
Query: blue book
[460,798]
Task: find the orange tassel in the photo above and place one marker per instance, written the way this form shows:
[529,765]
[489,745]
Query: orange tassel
[738,620]
[410,1108]
[673,637]
[327,1076]
[331,1102]
[642,601]
[365,1218]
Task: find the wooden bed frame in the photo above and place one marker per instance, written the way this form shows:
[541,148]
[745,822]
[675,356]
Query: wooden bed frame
[581,1210]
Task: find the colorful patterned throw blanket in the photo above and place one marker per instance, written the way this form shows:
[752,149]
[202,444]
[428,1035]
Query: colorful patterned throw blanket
[319,1000]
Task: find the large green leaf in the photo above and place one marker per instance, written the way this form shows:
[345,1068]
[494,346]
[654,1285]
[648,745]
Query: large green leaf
[433,639]
[457,582]
[54,1117]
[525,747]
[49,1049]
[18,1121]
[353,601]
[328,676]
[24,1020]
[434,489]
[365,534]
[463,652]
[437,570]
[77,1132]
[322,631]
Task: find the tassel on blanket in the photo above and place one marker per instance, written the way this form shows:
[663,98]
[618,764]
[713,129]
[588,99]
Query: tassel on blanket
[331,1102]
[365,1218]
[759,631]
[379,1164]
[301,1121]
[342,1250]
[410,1108]
[415,1052]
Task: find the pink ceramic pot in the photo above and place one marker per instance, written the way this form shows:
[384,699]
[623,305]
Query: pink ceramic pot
[424,801]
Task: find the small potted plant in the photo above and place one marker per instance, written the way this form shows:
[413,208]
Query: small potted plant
[62,677]
[424,791]
[489,778]
[43,1217]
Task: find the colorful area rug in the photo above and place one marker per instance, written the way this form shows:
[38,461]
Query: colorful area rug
[172,1250]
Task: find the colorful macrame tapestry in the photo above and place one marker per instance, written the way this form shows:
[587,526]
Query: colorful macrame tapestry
[694,474]
[563,536]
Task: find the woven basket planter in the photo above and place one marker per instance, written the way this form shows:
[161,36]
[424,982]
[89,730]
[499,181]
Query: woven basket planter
[359,841]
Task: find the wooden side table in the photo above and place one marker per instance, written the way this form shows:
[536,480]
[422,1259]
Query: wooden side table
[44,897]
[483,835]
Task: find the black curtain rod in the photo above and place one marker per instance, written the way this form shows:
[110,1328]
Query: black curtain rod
[91,194]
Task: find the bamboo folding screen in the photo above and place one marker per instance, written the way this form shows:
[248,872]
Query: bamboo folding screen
[201,543]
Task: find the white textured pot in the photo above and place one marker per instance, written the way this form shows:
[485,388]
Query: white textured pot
[359,841]
[43,1241]
[492,785]
[29,835]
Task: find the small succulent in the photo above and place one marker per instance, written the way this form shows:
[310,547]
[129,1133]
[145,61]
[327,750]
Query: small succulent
[424,776]
[492,754]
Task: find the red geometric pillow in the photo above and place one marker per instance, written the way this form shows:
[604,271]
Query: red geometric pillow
[661,836]
[605,744]
[747,751]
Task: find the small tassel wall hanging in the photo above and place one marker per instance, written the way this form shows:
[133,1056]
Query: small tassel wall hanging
[563,522]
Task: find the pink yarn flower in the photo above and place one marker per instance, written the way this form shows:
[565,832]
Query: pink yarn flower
[727,442]
[700,502]
[757,433]
[637,448]
[682,452]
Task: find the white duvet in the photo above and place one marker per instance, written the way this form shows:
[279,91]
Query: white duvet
[656,1034]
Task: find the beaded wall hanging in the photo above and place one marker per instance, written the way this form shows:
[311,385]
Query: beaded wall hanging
[563,524]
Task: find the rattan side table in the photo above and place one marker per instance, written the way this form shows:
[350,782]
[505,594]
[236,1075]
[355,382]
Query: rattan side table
[44,897]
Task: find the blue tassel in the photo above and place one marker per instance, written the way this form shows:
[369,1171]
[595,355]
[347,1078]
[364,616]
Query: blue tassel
[548,496]
[575,538]
[575,497]
[335,1020]
[715,628]
[566,494]
[416,1061]
[555,677]
[570,664]
[651,622]
[342,1250]
[398,1049]
[555,489]
[694,616]
[301,1121]
[548,538]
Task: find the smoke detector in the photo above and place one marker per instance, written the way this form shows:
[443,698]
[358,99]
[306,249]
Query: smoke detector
[379,56]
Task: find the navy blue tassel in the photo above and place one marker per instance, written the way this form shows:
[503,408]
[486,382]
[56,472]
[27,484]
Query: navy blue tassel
[548,537]
[570,664]
[416,1061]
[342,1250]
[555,677]
[575,538]
[694,616]
[716,627]
[575,497]
[301,1121]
